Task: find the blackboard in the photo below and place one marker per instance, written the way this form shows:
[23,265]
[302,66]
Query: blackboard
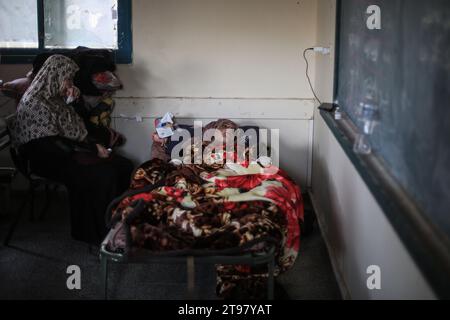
[405,65]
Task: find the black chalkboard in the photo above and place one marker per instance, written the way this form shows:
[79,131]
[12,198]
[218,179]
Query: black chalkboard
[406,67]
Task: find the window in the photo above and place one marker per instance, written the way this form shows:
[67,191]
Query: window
[28,27]
[18,24]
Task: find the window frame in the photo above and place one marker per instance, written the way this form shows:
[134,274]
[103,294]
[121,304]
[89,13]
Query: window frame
[123,55]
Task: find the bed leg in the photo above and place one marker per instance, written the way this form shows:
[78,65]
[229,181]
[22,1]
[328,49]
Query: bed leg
[270,280]
[104,263]
[191,278]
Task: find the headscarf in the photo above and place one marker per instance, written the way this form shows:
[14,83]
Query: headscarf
[42,111]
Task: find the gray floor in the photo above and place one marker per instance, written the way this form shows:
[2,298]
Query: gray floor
[34,267]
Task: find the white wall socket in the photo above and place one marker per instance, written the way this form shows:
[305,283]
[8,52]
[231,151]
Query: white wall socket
[322,50]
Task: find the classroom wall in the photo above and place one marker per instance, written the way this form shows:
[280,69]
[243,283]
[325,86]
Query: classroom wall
[220,48]
[205,59]
[354,226]
[324,66]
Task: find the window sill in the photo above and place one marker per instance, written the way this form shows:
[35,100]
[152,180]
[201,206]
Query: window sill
[27,56]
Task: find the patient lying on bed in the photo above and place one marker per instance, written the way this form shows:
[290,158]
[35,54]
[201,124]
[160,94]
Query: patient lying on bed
[213,206]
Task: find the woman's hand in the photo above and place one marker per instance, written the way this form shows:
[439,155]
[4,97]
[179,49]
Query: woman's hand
[69,91]
[73,92]
[103,153]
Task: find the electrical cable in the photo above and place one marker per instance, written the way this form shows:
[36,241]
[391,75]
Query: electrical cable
[307,75]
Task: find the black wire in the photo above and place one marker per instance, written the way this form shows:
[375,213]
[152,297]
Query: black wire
[307,75]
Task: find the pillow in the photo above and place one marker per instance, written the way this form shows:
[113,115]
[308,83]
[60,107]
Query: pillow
[106,81]
[172,144]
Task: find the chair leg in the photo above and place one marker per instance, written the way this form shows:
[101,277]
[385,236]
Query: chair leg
[46,203]
[104,266]
[15,222]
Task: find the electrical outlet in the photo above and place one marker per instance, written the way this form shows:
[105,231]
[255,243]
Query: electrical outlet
[322,50]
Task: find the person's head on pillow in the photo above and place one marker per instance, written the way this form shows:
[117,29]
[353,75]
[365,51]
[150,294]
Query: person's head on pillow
[222,125]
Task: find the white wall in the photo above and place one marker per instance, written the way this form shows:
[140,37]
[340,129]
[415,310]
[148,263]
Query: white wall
[356,229]
[220,48]
[354,226]
[326,25]
[206,59]
[292,117]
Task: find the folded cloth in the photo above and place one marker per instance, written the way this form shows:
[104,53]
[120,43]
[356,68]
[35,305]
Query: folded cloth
[106,81]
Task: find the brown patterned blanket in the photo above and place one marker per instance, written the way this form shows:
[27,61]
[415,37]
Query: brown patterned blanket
[212,206]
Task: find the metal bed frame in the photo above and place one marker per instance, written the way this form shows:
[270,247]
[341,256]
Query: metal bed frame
[190,258]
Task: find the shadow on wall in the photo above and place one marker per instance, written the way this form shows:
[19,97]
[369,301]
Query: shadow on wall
[141,82]
[326,208]
[136,79]
[340,238]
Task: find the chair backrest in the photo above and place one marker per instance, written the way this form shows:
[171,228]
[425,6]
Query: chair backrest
[19,161]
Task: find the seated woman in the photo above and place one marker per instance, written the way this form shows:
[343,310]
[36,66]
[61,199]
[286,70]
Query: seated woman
[52,136]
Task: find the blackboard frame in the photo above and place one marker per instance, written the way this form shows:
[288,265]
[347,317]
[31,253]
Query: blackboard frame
[426,244]
[337,48]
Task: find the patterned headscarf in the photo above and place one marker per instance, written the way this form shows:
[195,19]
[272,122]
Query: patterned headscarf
[42,111]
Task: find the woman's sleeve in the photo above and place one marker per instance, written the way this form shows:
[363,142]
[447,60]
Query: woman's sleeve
[72,146]
[85,146]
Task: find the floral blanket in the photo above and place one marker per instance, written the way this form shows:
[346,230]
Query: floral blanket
[209,208]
